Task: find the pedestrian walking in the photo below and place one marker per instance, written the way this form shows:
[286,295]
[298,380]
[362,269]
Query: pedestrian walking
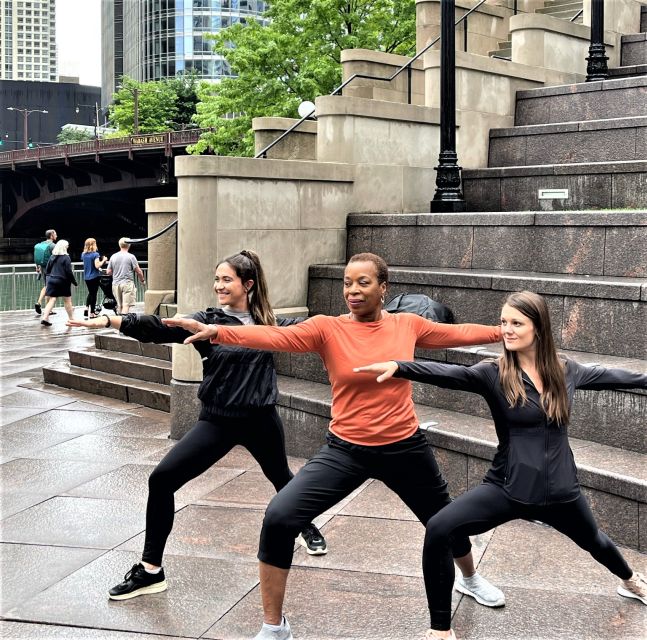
[42,254]
[238,395]
[122,267]
[59,277]
[374,430]
[529,390]
[92,262]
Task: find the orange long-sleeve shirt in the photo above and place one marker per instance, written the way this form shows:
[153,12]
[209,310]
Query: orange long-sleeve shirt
[363,411]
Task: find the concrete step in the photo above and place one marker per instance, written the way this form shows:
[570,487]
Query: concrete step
[111,385]
[507,44]
[503,54]
[615,418]
[614,480]
[614,139]
[134,365]
[597,243]
[111,341]
[583,101]
[587,311]
[634,49]
[563,12]
[592,185]
[628,72]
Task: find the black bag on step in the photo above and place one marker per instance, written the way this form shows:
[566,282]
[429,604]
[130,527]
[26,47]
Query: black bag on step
[421,305]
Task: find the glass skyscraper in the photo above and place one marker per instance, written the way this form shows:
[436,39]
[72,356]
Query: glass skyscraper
[163,38]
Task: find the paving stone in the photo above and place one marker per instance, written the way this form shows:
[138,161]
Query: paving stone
[139,427]
[25,444]
[14,414]
[11,503]
[378,501]
[57,421]
[44,565]
[200,591]
[25,631]
[35,399]
[70,521]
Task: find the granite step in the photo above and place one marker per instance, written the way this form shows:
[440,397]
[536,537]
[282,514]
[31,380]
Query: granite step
[567,142]
[111,385]
[629,71]
[596,243]
[615,418]
[587,311]
[112,341]
[593,185]
[614,480]
[136,366]
[634,49]
[598,100]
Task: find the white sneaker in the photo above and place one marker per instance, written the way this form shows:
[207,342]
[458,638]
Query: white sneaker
[430,635]
[282,633]
[635,587]
[481,590]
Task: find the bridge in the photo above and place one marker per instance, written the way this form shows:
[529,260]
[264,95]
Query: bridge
[92,188]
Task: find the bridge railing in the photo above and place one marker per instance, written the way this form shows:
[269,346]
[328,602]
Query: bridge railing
[19,286]
[164,139]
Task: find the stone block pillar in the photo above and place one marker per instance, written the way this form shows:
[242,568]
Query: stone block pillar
[161,253]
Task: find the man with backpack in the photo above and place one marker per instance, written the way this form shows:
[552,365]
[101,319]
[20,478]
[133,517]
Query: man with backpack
[42,253]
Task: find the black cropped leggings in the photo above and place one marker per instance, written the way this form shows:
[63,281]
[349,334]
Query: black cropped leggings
[487,506]
[93,288]
[261,434]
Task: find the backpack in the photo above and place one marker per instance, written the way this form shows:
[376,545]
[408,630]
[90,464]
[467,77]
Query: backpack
[42,252]
[421,305]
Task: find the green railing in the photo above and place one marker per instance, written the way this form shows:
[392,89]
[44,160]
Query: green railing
[19,286]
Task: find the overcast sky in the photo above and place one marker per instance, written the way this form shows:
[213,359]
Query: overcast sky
[78,39]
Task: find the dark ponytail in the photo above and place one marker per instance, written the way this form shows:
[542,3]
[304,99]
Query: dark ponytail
[247,266]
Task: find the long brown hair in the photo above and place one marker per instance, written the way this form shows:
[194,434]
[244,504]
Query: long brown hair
[247,266]
[90,245]
[550,368]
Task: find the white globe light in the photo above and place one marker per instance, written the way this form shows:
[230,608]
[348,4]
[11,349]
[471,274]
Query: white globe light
[306,108]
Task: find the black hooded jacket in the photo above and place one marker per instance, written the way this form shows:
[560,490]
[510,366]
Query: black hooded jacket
[533,463]
[236,380]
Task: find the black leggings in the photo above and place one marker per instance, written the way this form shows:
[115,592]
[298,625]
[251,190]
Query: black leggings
[207,442]
[487,506]
[91,300]
[407,467]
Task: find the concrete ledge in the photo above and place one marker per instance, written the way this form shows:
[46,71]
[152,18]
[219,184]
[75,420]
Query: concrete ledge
[260,124]
[378,109]
[583,87]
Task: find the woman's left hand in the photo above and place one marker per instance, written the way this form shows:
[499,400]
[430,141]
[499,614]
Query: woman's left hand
[385,369]
[199,330]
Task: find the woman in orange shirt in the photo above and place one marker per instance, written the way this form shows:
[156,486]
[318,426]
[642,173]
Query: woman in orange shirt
[373,432]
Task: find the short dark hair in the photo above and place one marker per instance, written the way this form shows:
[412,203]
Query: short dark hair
[381,267]
[50,233]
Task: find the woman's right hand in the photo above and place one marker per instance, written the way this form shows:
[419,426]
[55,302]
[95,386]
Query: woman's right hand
[199,330]
[384,369]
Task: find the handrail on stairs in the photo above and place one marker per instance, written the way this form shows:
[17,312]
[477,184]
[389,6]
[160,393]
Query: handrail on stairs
[408,66]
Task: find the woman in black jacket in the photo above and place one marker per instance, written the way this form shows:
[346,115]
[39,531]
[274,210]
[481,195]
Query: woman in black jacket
[59,279]
[529,390]
[238,395]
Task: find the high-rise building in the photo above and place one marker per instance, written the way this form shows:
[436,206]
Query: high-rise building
[28,40]
[163,38]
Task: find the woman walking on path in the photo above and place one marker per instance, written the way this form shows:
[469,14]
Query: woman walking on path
[374,430]
[59,279]
[529,390]
[238,395]
[92,262]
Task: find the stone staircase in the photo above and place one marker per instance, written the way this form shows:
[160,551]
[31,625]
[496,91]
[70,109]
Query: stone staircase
[633,54]
[562,9]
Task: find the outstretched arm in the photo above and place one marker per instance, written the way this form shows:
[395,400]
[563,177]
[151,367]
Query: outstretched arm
[475,379]
[598,378]
[435,335]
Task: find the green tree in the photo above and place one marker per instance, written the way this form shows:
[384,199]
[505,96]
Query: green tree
[69,135]
[159,104]
[295,57]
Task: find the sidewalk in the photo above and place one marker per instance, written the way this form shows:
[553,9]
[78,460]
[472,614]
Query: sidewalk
[73,473]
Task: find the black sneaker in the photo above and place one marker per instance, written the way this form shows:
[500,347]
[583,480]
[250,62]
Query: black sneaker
[38,309]
[138,582]
[313,541]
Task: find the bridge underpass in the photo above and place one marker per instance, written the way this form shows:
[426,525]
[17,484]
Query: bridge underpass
[95,188]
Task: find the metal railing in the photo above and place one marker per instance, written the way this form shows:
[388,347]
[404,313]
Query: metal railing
[408,66]
[164,140]
[20,286]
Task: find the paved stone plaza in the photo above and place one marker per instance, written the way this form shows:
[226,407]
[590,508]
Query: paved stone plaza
[73,489]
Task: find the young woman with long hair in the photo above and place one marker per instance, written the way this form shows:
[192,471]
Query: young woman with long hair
[238,395]
[373,433]
[529,390]
[92,262]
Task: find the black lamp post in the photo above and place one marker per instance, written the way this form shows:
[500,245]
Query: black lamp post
[448,196]
[25,114]
[596,68]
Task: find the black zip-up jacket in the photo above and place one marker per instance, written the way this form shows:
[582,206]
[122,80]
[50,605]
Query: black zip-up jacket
[60,268]
[533,463]
[236,380]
